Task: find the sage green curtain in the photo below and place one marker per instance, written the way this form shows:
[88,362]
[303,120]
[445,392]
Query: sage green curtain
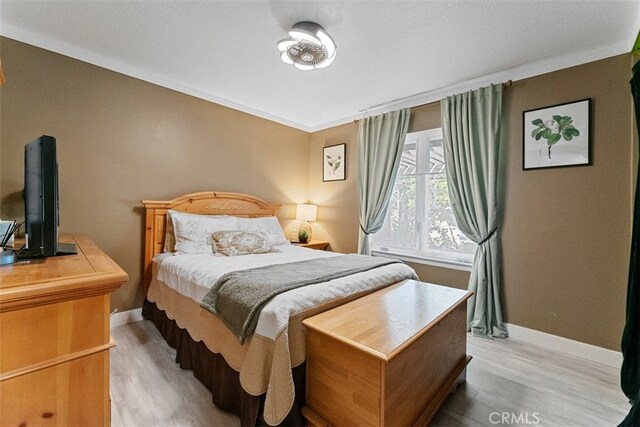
[471,128]
[380,145]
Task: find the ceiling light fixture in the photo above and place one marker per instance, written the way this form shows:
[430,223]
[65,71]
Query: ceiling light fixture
[308,47]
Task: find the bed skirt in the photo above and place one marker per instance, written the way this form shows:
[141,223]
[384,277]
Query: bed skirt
[214,373]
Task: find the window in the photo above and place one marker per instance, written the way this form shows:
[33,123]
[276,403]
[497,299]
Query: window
[420,224]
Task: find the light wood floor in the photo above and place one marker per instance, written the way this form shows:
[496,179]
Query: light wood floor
[532,386]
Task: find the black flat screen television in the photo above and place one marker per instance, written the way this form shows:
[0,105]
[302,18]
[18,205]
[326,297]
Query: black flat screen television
[41,200]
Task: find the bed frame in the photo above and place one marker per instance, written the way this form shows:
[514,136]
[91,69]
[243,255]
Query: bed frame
[204,203]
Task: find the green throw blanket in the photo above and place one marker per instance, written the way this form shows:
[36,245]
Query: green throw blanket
[239,296]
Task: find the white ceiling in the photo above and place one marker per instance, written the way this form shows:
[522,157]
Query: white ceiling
[225,51]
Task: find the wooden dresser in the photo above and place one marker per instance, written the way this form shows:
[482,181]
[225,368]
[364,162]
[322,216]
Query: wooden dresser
[55,338]
[389,358]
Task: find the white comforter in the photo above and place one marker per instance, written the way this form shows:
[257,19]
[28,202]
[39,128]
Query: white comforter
[193,275]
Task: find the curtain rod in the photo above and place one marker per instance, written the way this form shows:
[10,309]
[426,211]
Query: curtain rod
[504,84]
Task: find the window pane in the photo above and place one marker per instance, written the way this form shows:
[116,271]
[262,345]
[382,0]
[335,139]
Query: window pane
[408,159]
[420,220]
[399,229]
[442,233]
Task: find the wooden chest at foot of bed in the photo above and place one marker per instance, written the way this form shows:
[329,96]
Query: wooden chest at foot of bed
[389,358]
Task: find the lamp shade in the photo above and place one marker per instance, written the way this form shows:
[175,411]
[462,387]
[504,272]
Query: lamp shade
[306,212]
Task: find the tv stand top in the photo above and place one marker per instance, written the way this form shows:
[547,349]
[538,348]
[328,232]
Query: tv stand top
[88,273]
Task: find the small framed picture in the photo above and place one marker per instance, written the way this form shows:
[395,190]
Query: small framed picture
[557,136]
[334,163]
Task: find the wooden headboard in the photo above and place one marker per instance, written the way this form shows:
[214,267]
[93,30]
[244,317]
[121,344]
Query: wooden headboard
[204,203]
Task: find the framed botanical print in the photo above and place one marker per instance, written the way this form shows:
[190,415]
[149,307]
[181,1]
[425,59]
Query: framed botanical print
[557,136]
[334,163]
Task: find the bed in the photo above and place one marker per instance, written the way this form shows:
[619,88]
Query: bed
[261,379]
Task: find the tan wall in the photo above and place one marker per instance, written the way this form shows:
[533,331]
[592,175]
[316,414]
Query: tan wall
[566,231]
[337,200]
[121,140]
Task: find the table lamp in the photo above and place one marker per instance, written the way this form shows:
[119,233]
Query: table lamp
[305,213]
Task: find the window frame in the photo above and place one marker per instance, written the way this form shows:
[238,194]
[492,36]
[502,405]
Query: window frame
[433,257]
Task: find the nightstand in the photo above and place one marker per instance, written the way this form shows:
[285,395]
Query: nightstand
[313,244]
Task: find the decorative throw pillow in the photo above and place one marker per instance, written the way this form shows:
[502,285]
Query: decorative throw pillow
[169,234]
[268,225]
[234,243]
[193,232]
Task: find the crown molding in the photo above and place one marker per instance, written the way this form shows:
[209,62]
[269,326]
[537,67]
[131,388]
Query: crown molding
[516,73]
[53,45]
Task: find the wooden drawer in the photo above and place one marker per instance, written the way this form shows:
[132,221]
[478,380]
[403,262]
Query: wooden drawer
[58,329]
[73,393]
[55,338]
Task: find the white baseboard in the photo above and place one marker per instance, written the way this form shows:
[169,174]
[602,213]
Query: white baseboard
[565,345]
[122,318]
[519,333]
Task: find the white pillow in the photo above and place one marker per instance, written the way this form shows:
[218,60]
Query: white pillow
[268,225]
[193,232]
[170,235]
